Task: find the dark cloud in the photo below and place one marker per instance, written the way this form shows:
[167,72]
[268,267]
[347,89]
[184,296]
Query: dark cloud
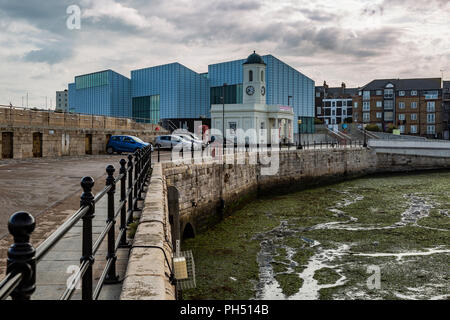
[319,15]
[51,53]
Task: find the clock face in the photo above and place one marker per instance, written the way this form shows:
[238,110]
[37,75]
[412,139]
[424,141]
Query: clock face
[250,90]
[263,90]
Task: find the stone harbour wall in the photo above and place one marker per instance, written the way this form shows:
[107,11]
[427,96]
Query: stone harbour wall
[202,186]
[146,277]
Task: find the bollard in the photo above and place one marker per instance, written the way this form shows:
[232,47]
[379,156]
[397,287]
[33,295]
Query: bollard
[21,255]
[111,277]
[130,188]
[171,149]
[87,199]
[192,149]
[123,198]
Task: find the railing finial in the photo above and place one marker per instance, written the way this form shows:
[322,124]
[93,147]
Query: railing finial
[21,255]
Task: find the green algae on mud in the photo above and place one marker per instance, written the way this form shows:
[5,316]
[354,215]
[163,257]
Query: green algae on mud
[226,255]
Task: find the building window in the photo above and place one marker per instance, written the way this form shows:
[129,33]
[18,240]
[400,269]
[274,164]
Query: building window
[262,75]
[401,117]
[317,94]
[431,94]
[431,106]
[431,118]
[401,105]
[344,112]
[250,76]
[379,104]
[379,92]
[402,129]
[355,104]
[389,93]
[401,93]
[413,105]
[366,95]
[366,106]
[333,112]
[379,115]
[414,93]
[414,116]
[388,116]
[366,117]
[413,129]
[333,104]
[388,104]
[360,93]
[355,117]
[431,129]
[319,110]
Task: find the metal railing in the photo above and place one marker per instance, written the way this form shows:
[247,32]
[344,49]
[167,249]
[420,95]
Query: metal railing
[195,151]
[20,280]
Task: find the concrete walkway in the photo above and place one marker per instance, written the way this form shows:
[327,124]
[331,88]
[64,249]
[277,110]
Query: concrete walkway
[63,260]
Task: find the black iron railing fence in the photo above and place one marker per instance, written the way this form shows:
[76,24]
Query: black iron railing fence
[206,151]
[20,280]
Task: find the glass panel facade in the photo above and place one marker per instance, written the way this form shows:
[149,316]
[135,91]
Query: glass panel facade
[233,94]
[146,109]
[92,80]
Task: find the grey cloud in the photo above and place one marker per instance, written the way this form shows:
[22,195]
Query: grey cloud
[319,15]
[51,53]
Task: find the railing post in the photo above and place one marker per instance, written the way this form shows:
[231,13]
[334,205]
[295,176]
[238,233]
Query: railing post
[21,255]
[111,277]
[135,183]
[141,170]
[192,149]
[130,188]
[123,198]
[87,199]
[159,159]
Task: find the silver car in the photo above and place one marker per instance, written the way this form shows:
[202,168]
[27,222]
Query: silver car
[168,141]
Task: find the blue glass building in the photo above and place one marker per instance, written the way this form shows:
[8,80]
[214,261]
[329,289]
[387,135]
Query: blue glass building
[102,93]
[177,93]
[181,92]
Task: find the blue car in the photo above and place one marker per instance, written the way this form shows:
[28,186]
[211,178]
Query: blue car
[121,144]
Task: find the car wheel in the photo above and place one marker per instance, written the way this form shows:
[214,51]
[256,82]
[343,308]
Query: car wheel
[110,150]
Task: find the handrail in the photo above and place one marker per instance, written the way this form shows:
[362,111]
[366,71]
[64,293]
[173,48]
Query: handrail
[20,280]
[9,284]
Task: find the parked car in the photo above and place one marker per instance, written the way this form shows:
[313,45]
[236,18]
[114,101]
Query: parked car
[168,141]
[191,138]
[121,144]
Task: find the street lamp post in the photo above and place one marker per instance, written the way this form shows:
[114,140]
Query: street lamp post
[299,134]
[223,118]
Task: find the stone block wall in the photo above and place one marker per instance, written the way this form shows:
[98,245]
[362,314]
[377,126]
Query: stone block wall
[201,186]
[146,277]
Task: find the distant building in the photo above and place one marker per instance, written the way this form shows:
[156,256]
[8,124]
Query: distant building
[176,96]
[102,93]
[334,106]
[62,100]
[414,106]
[446,109]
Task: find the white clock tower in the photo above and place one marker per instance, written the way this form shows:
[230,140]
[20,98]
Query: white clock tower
[254,80]
[253,121]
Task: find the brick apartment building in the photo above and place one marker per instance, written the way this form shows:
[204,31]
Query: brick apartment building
[334,105]
[415,106]
[446,108]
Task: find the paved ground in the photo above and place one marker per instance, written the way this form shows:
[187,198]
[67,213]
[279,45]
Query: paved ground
[50,190]
[36,185]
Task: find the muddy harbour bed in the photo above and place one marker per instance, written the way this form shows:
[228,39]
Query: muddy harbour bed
[378,237]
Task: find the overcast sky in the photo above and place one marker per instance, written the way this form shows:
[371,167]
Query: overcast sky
[353,41]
